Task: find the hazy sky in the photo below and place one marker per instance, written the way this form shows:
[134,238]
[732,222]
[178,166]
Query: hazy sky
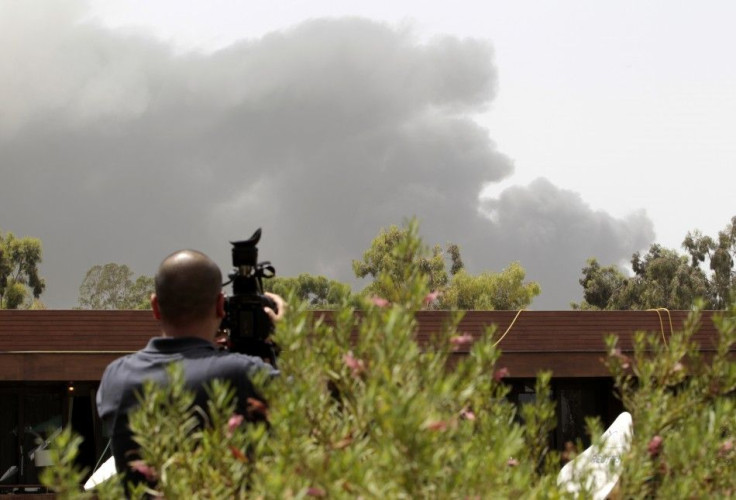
[544,132]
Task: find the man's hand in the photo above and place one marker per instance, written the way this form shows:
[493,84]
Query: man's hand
[280,305]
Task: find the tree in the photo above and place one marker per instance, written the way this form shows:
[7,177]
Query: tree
[490,291]
[457,262]
[389,265]
[317,291]
[720,252]
[664,278]
[20,282]
[383,258]
[600,284]
[111,286]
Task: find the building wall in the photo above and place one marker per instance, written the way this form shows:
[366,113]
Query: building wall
[51,363]
[78,345]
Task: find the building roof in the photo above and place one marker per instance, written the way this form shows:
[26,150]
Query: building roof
[74,345]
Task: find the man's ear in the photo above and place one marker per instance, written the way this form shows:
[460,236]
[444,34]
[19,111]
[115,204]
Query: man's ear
[221,305]
[154,306]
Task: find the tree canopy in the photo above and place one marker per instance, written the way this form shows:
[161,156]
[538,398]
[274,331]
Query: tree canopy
[20,283]
[111,286]
[665,278]
[389,258]
[489,291]
[395,252]
[720,253]
[317,291]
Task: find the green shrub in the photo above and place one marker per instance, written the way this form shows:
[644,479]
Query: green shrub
[684,412]
[383,417]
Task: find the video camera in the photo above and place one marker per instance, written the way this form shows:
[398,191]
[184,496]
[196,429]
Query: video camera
[248,326]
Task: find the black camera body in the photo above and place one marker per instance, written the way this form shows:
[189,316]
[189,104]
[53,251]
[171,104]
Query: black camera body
[248,326]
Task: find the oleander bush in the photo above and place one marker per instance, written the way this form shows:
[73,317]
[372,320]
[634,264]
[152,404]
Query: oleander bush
[382,417]
[684,413]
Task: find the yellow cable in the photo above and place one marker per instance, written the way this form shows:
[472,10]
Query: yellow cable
[508,329]
[669,316]
[661,323]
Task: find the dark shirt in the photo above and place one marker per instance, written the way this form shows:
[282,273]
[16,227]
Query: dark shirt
[123,381]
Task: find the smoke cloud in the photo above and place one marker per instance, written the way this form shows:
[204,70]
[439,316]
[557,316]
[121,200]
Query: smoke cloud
[115,148]
[552,232]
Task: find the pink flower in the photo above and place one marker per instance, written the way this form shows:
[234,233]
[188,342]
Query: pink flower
[725,448]
[461,341]
[234,423]
[357,366]
[512,462]
[625,360]
[142,468]
[467,414]
[501,373]
[380,302]
[432,296]
[655,446]
[313,491]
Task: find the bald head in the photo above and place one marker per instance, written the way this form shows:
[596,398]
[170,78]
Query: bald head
[188,284]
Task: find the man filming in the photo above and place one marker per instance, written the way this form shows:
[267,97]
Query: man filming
[189,305]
